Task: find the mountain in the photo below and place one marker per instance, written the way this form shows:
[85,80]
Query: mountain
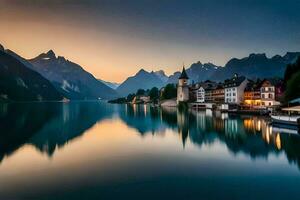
[257,66]
[254,66]
[161,75]
[141,80]
[197,72]
[20,83]
[112,85]
[70,79]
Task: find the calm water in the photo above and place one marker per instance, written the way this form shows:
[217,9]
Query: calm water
[94,150]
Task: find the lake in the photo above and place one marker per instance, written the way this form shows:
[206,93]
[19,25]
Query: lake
[95,150]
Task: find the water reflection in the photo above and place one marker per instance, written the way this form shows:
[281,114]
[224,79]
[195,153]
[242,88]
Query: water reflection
[250,135]
[50,126]
[47,126]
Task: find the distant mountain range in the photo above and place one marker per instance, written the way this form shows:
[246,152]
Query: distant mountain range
[20,83]
[71,81]
[112,85]
[141,80]
[254,66]
[197,72]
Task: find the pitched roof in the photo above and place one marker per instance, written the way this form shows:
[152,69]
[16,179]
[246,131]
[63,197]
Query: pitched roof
[273,81]
[253,86]
[183,74]
[234,82]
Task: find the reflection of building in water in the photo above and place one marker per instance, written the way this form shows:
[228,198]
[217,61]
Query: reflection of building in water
[266,131]
[256,125]
[219,124]
[278,141]
[252,124]
[201,120]
[183,125]
[208,112]
[231,128]
[224,115]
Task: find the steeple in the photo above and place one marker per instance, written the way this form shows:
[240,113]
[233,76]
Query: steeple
[183,74]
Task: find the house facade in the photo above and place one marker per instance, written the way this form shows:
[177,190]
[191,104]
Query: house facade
[218,94]
[271,90]
[234,89]
[200,95]
[252,96]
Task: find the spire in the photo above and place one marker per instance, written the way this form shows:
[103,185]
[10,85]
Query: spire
[183,74]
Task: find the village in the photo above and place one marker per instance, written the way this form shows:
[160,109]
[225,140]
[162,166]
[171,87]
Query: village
[237,94]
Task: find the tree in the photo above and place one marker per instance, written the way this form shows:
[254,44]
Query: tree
[140,92]
[292,81]
[154,94]
[169,92]
[130,97]
[293,87]
[288,73]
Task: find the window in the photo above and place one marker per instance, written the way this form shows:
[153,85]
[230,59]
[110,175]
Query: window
[270,96]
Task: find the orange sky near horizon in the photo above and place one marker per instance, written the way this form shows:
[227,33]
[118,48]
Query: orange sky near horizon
[114,39]
[104,51]
[109,58]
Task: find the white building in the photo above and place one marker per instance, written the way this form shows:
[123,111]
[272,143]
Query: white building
[234,89]
[268,93]
[183,87]
[200,95]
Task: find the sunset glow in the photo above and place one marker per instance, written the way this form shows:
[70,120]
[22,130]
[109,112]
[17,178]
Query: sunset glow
[114,40]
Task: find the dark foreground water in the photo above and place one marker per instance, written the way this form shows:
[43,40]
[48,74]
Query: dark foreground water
[93,150]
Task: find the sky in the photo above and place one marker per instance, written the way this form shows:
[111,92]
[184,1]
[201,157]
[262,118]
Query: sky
[113,39]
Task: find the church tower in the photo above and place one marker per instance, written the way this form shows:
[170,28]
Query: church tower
[183,87]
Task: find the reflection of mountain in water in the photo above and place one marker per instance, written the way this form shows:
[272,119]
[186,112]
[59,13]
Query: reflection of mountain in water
[47,125]
[249,135]
[144,119]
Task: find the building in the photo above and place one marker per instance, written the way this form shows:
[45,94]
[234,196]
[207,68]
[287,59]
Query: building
[203,92]
[200,95]
[234,89]
[252,96]
[271,92]
[218,94]
[141,99]
[183,87]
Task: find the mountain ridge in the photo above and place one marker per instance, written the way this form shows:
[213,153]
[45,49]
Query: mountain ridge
[70,78]
[256,65]
[141,80]
[20,83]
